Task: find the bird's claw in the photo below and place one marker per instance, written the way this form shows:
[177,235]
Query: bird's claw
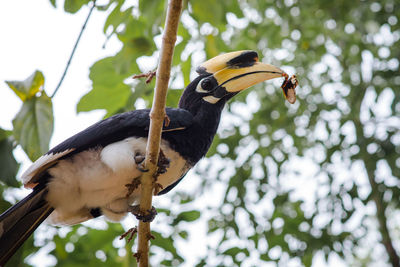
[139,160]
[157,188]
[163,163]
[141,168]
[132,186]
[148,217]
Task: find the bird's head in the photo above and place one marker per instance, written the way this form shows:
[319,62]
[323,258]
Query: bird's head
[222,77]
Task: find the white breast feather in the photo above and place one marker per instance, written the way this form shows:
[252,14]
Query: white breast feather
[97,178]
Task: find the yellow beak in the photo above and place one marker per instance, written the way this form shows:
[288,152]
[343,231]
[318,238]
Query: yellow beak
[239,79]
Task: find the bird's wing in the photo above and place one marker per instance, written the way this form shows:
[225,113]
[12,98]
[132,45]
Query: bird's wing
[102,133]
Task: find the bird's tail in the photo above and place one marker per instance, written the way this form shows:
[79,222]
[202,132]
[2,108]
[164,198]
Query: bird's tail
[18,222]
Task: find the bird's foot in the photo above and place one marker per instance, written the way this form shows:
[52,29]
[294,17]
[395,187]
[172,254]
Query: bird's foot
[163,163]
[144,217]
[157,188]
[167,120]
[137,256]
[139,160]
[132,186]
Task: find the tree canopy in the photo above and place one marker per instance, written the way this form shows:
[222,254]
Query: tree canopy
[282,183]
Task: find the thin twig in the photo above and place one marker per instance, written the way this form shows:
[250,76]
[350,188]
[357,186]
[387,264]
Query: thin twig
[131,232]
[74,49]
[157,116]
[149,76]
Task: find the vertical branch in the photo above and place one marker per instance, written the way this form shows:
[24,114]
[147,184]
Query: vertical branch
[74,49]
[157,116]
[380,214]
[377,197]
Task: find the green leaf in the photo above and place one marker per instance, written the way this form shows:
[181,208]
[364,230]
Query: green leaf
[117,17]
[265,257]
[186,66]
[166,263]
[165,243]
[29,87]
[187,216]
[184,234]
[8,164]
[85,243]
[102,97]
[4,134]
[109,92]
[53,3]
[173,97]
[33,126]
[235,250]
[203,12]
[153,12]
[72,6]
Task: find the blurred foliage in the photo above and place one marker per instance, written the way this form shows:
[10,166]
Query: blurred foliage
[33,125]
[92,249]
[8,165]
[314,178]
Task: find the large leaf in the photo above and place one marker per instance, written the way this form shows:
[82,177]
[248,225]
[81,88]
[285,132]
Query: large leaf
[8,164]
[29,87]
[33,125]
[102,97]
[117,17]
[109,92]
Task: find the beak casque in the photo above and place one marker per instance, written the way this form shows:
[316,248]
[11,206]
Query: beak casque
[237,71]
[237,58]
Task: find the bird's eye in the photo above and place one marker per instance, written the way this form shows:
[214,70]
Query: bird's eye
[204,86]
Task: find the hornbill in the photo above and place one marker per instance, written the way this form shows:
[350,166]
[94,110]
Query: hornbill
[89,174]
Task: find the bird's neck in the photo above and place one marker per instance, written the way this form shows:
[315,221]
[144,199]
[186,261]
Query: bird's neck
[208,117]
[201,133]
